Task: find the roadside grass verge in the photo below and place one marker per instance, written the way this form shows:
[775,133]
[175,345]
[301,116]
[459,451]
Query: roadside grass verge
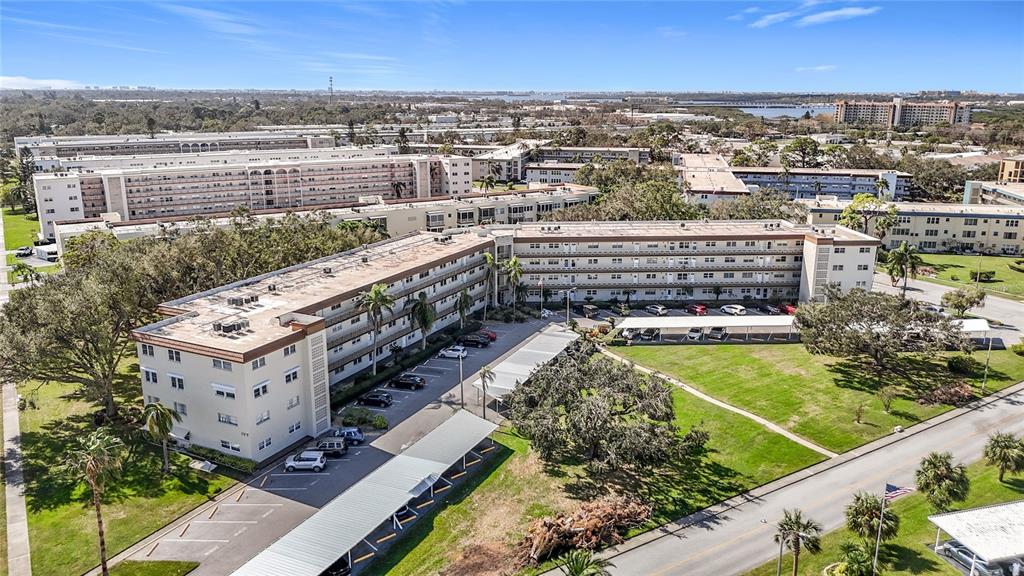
[910,553]
[20,228]
[955,270]
[152,568]
[816,397]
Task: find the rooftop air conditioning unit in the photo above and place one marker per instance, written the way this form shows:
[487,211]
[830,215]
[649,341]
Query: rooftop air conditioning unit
[255,297]
[235,301]
[328,270]
[243,324]
[272,288]
[366,259]
[218,327]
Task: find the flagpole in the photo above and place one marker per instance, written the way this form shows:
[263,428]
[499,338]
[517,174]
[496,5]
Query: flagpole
[878,539]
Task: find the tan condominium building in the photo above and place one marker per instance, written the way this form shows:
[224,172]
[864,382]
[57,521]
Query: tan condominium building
[174,143]
[988,228]
[182,191]
[397,217]
[1011,169]
[707,178]
[250,365]
[900,112]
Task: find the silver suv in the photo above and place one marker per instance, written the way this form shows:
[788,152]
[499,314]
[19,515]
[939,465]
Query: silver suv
[308,460]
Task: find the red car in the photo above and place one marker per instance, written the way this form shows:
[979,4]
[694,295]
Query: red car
[697,309]
[490,335]
[788,309]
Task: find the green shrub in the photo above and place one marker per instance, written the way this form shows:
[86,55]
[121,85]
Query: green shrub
[617,342]
[962,364]
[1017,266]
[222,459]
[379,422]
[983,275]
[954,278]
[1017,349]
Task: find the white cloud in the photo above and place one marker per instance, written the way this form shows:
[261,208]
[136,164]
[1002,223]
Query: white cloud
[24,83]
[837,15]
[361,56]
[769,19]
[670,32]
[220,22]
[744,13]
[821,68]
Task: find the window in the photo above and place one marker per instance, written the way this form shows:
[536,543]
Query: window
[969,234]
[149,375]
[262,417]
[931,232]
[291,376]
[259,363]
[227,419]
[177,382]
[1013,223]
[224,391]
[222,364]
[862,267]
[709,275]
[181,409]
[174,356]
[970,221]
[293,402]
[147,350]
[837,267]
[839,250]
[289,350]
[230,446]
[294,427]
[260,389]
[865,249]
[263,444]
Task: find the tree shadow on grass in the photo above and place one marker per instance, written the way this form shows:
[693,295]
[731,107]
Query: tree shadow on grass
[914,375]
[911,560]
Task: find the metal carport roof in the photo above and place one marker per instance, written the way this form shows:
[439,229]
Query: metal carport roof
[311,547]
[994,533]
[520,364]
[687,322]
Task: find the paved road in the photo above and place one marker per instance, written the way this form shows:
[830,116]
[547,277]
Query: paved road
[740,537]
[1009,312]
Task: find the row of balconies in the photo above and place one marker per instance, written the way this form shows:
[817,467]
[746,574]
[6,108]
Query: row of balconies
[581,283]
[702,267]
[624,252]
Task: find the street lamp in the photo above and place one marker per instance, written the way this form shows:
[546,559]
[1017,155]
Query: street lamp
[462,391]
[782,541]
[567,293]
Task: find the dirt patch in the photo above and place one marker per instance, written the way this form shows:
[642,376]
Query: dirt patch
[487,559]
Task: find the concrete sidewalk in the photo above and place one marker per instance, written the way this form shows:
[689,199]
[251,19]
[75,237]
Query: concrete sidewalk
[19,561]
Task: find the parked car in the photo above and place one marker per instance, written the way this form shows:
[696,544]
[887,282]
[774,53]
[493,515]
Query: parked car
[409,381]
[476,340]
[545,313]
[733,309]
[339,568]
[789,309]
[405,513]
[332,447]
[351,434]
[965,557]
[718,333]
[697,309]
[935,309]
[630,333]
[621,309]
[649,333]
[453,352]
[492,336]
[23,252]
[695,334]
[656,309]
[769,308]
[375,398]
[306,460]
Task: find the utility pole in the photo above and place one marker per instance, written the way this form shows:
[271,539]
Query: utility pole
[330,90]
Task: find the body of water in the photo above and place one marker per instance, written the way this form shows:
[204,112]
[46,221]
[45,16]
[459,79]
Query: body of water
[794,112]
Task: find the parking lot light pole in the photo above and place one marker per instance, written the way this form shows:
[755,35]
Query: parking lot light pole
[462,390]
[567,293]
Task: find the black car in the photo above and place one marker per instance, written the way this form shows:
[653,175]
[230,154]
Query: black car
[769,308]
[649,333]
[339,568]
[478,340]
[409,381]
[376,398]
[24,252]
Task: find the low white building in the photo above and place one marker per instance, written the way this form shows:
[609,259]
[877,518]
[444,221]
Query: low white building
[843,183]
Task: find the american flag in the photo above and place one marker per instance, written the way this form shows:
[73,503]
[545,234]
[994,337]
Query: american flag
[893,492]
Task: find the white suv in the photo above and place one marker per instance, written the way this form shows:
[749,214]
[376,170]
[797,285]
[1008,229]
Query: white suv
[309,460]
[656,309]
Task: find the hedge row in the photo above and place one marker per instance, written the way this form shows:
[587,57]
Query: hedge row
[222,459]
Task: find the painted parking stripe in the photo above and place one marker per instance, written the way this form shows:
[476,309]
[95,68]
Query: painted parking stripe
[195,540]
[224,522]
[249,504]
[280,489]
[301,474]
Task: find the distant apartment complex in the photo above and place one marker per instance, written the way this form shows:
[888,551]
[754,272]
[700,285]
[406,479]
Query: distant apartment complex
[250,365]
[524,159]
[43,147]
[901,113]
[707,178]
[810,182]
[302,180]
[1001,192]
[940,227]
[1011,169]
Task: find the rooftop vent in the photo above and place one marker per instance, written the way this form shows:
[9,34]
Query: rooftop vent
[272,288]
[328,270]
[235,301]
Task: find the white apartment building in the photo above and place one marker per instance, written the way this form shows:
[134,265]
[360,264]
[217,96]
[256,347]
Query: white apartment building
[162,143]
[250,365]
[551,172]
[989,228]
[707,178]
[182,191]
[516,161]
[843,183]
[902,113]
[398,217]
[1001,192]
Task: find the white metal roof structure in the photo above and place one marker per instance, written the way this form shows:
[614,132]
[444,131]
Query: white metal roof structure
[311,547]
[994,533]
[517,367]
[687,322]
[973,325]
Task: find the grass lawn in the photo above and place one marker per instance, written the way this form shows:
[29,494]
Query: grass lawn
[47,269]
[153,568]
[476,532]
[19,229]
[813,396]
[910,553]
[955,270]
[62,525]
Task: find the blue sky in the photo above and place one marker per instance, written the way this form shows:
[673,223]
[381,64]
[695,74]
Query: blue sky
[814,45]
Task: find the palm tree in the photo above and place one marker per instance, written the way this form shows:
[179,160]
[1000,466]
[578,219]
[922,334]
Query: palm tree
[798,533]
[494,169]
[856,559]
[423,317]
[1006,452]
[463,303]
[903,262]
[159,421]
[627,293]
[862,517]
[486,379]
[514,271]
[375,302]
[579,562]
[398,187]
[487,183]
[881,186]
[492,265]
[942,482]
[96,460]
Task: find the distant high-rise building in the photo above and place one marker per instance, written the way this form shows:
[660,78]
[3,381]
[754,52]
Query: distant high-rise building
[901,113]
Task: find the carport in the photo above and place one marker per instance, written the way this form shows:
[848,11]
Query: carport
[746,325]
[520,364]
[349,520]
[994,534]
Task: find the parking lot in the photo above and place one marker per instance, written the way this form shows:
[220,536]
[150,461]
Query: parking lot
[225,534]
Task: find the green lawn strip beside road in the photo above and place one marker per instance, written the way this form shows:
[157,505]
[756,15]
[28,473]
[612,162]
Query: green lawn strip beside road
[479,529]
[910,553]
[1008,283]
[61,521]
[19,229]
[153,568]
[815,397]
